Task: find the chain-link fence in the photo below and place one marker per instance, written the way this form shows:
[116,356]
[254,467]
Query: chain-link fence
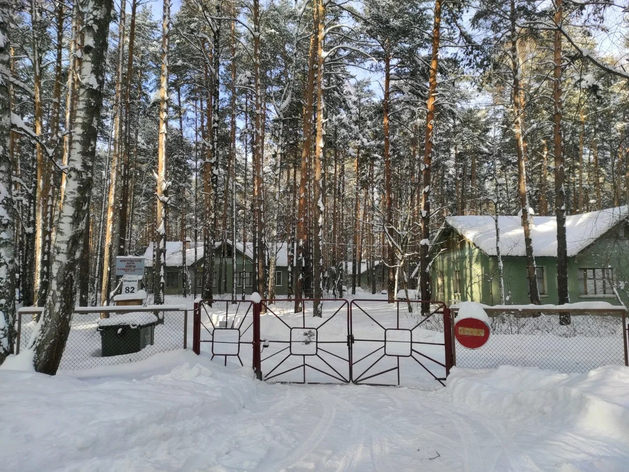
[128,334]
[535,338]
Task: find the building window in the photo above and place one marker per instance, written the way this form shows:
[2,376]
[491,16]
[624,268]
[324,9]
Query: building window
[244,277]
[278,278]
[172,280]
[540,275]
[439,285]
[457,284]
[596,282]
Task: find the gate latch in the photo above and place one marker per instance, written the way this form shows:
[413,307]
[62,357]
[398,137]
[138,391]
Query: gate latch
[350,340]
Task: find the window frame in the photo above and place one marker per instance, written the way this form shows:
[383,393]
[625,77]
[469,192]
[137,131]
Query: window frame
[281,276]
[543,289]
[170,275]
[606,276]
[244,278]
[457,283]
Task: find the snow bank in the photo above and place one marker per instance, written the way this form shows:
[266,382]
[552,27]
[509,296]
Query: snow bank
[24,361]
[181,412]
[472,310]
[596,401]
[160,414]
[132,319]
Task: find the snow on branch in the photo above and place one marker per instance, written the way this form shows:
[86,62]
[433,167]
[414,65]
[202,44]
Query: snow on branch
[18,126]
[585,54]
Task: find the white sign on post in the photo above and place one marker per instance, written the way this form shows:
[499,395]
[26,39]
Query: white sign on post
[129,287]
[129,266]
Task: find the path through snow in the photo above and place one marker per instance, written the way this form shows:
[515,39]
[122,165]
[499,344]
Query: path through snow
[180,412]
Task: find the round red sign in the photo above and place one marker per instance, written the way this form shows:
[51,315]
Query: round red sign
[471,333]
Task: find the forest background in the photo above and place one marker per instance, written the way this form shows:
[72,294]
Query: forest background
[346,129]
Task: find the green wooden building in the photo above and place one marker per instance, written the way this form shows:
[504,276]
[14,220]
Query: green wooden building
[465,264]
[222,268]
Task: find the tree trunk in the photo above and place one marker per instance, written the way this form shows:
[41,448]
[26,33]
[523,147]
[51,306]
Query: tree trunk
[597,175]
[356,251]
[560,191]
[50,336]
[290,282]
[303,248]
[232,141]
[161,215]
[7,215]
[581,138]
[518,111]
[84,265]
[318,204]
[110,247]
[44,170]
[424,279]
[388,223]
[543,198]
[257,155]
[209,198]
[127,192]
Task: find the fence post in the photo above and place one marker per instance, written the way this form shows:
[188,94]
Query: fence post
[257,355]
[196,330]
[447,339]
[18,340]
[625,336]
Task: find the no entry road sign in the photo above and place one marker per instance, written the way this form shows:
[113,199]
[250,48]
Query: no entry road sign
[471,333]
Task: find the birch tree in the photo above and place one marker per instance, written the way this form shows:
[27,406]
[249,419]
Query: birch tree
[51,333]
[7,243]
[159,263]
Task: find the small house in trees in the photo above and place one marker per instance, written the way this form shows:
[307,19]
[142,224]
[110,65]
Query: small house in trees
[222,268]
[466,268]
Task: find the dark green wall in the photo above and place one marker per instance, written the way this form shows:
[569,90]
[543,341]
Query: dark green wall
[480,276]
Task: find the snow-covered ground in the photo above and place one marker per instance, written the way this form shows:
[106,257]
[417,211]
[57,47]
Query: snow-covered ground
[179,412]
[176,411]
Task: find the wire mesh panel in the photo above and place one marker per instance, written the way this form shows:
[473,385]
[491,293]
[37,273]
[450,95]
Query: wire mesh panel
[395,344]
[301,348]
[538,339]
[226,330]
[129,334]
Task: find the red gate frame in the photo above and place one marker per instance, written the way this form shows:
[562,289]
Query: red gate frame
[448,344]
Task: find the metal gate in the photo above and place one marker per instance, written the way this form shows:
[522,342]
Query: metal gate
[226,326]
[301,348]
[370,342]
[396,344]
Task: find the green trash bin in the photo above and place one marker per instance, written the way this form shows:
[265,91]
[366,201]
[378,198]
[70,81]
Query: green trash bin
[126,334]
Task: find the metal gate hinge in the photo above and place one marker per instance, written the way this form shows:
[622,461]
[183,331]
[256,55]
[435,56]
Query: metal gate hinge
[350,339]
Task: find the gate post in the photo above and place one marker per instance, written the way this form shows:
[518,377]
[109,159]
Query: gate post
[257,354]
[448,339]
[625,336]
[196,330]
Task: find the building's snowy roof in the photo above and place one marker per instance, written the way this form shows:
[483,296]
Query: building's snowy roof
[173,253]
[581,231]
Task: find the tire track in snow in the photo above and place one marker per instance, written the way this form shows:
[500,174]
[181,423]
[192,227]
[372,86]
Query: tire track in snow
[350,456]
[308,444]
[380,454]
[469,426]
